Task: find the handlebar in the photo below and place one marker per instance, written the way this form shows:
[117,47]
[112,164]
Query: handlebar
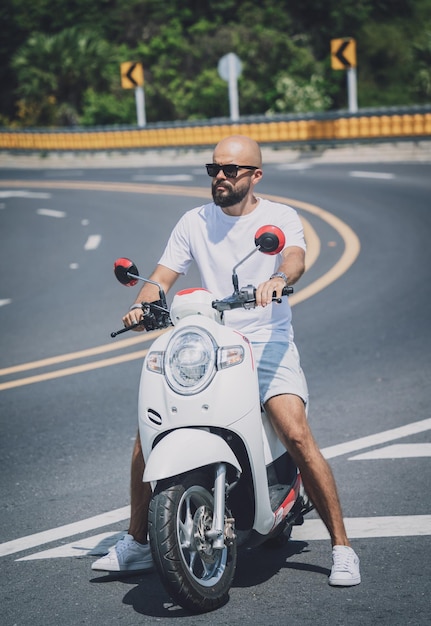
[245,298]
[157,316]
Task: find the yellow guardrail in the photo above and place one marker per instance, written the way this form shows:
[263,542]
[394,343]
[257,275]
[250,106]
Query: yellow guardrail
[357,127]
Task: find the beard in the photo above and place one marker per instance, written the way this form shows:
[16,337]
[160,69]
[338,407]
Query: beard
[227,197]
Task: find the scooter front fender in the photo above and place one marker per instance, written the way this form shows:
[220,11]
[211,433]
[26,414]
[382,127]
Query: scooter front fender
[186,449]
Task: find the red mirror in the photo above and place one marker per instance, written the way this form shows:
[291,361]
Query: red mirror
[270,239]
[126,272]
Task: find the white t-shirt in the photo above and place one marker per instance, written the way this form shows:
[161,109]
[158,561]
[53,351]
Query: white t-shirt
[217,242]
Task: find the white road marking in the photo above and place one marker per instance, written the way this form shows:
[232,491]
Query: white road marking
[74,266]
[377,439]
[422,523]
[76,528]
[25,194]
[294,166]
[163,178]
[5,301]
[380,175]
[97,545]
[311,530]
[396,451]
[368,527]
[93,242]
[51,213]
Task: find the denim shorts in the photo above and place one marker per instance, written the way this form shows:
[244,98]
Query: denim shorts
[279,370]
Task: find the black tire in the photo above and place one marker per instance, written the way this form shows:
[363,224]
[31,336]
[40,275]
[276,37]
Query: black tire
[198,580]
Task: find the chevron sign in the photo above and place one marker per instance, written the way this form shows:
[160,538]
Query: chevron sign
[343,53]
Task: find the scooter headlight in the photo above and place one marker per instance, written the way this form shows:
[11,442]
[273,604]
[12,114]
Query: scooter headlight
[190,361]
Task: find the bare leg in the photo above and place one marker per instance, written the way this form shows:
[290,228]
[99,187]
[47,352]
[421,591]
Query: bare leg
[140,495]
[288,417]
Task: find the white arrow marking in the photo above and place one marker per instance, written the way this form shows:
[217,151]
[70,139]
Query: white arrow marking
[381,175]
[311,530]
[368,527]
[377,439]
[97,545]
[51,213]
[93,242]
[396,451]
[31,541]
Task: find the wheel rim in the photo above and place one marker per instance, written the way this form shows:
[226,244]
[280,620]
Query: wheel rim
[194,517]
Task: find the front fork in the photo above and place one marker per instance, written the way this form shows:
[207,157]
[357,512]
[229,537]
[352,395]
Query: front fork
[218,534]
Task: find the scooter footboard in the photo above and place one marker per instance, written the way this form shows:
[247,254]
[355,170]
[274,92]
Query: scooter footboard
[186,449]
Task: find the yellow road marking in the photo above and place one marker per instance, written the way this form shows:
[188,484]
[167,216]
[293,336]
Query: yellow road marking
[77,369]
[351,251]
[81,354]
[352,247]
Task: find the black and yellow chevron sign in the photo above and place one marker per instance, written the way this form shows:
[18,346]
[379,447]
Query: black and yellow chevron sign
[343,53]
[132,75]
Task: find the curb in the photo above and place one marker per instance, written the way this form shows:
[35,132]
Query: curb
[414,151]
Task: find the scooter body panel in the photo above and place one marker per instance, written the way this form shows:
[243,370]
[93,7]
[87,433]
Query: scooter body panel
[231,401]
[184,450]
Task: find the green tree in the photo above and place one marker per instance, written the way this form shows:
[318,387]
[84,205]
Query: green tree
[55,70]
[62,66]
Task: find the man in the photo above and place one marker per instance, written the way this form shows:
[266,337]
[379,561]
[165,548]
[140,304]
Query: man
[215,236]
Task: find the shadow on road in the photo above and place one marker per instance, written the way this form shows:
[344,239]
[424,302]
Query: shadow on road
[254,567]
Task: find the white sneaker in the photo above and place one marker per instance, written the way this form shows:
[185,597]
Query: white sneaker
[126,556]
[345,571]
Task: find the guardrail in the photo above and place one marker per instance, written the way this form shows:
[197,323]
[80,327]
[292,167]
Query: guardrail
[340,127]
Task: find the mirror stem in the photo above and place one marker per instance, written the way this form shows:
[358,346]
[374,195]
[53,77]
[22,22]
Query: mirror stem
[234,274]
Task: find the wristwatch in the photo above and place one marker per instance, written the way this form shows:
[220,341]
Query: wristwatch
[280,275]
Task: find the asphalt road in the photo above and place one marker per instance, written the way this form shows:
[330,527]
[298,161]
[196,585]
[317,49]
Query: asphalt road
[69,392]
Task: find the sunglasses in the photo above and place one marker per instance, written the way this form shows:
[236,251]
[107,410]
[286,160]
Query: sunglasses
[230,171]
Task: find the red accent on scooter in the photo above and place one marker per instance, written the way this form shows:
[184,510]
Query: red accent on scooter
[287,503]
[184,292]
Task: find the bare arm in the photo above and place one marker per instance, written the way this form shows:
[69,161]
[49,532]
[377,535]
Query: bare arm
[149,293]
[292,265]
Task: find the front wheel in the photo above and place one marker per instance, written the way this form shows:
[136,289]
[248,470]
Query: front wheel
[195,574]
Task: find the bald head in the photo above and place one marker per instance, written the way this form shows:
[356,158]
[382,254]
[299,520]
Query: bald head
[238,149]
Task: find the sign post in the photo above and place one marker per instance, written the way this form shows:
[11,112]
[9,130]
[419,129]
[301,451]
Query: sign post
[343,57]
[230,68]
[132,77]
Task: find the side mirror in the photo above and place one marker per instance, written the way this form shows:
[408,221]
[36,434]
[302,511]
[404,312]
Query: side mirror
[269,239]
[126,272]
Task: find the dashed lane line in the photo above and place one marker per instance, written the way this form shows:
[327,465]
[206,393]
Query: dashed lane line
[51,213]
[351,251]
[93,242]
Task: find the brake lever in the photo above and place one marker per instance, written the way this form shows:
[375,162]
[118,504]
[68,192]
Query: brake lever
[126,328]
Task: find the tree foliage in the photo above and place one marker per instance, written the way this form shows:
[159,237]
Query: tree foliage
[61,61]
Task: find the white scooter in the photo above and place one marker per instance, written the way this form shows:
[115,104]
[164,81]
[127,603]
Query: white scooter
[220,476]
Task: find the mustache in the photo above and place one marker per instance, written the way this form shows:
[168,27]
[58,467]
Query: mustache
[222,184]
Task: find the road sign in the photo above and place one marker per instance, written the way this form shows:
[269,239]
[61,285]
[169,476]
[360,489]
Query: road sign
[343,53]
[132,75]
[230,67]
[229,64]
